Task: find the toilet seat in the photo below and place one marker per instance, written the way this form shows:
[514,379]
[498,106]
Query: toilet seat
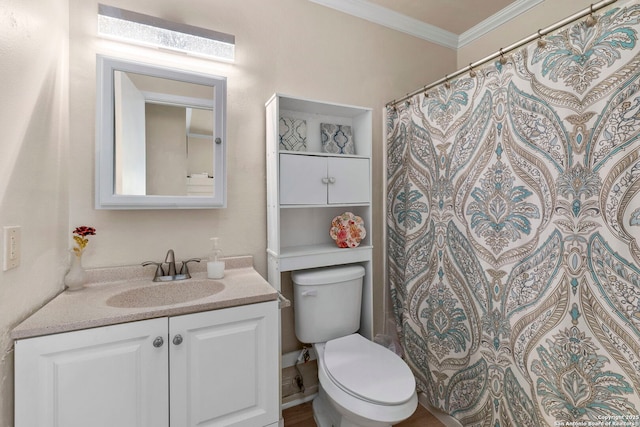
[368,371]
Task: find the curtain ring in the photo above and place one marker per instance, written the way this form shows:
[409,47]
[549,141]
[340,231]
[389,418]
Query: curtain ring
[446,81]
[472,72]
[591,20]
[503,60]
[541,42]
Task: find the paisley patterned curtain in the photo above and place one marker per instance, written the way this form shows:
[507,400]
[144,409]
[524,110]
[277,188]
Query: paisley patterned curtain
[514,229]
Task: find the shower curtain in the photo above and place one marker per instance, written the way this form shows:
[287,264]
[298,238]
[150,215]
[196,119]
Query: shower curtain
[513,229]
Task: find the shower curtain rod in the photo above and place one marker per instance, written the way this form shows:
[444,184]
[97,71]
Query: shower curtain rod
[588,11]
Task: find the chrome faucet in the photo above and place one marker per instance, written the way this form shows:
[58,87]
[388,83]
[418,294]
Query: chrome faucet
[171,273]
[171,260]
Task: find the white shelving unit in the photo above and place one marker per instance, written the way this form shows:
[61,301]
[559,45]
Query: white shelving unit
[307,189]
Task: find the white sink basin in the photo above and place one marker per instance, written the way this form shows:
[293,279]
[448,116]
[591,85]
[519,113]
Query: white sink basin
[168,293]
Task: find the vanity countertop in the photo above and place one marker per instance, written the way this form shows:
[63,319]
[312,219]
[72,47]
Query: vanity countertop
[88,307]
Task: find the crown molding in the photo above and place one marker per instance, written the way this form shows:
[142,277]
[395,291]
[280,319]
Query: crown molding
[399,22]
[394,20]
[495,20]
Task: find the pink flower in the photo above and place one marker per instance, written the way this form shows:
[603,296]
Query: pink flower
[347,230]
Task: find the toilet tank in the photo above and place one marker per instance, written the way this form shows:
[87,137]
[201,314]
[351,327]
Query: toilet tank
[327,302]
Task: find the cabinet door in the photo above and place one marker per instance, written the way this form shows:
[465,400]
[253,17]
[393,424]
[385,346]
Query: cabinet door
[102,377]
[303,180]
[224,367]
[348,180]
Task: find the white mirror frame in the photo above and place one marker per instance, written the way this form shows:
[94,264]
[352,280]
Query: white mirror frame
[105,197]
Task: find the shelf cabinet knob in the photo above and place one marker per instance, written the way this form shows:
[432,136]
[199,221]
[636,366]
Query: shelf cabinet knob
[158,342]
[177,340]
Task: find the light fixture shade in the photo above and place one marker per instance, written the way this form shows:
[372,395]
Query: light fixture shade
[147,30]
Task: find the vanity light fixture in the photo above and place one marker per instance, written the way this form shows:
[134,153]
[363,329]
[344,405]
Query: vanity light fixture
[137,28]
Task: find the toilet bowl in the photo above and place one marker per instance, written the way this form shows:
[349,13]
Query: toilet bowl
[362,384]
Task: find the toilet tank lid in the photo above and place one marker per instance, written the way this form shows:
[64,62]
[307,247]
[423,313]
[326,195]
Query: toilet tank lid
[327,275]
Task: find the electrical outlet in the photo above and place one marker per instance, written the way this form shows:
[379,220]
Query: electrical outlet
[12,243]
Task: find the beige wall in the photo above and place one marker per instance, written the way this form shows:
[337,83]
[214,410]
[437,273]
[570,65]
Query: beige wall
[165,149]
[33,163]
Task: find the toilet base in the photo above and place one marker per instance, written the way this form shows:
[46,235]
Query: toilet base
[326,415]
[323,414]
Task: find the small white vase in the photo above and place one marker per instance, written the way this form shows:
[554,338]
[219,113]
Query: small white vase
[76,276]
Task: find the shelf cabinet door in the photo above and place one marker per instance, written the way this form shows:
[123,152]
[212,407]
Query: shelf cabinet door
[302,180]
[224,372]
[102,377]
[317,180]
[348,180]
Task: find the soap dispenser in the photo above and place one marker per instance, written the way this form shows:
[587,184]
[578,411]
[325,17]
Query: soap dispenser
[215,265]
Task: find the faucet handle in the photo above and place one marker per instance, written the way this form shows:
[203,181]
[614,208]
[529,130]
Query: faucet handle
[185,268]
[159,270]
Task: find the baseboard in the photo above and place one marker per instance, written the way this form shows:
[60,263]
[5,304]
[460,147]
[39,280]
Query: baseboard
[445,419]
[299,398]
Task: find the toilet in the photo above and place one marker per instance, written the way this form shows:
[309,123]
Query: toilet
[361,383]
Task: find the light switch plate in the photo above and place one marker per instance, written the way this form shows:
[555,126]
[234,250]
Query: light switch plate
[12,243]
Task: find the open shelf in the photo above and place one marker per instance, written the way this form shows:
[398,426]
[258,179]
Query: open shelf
[321,255]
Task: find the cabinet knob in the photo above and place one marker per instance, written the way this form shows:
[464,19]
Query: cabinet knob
[332,180]
[325,180]
[158,342]
[177,340]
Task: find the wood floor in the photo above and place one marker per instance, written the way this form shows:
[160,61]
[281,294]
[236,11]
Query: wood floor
[302,416]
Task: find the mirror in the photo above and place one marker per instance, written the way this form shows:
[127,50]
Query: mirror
[160,141]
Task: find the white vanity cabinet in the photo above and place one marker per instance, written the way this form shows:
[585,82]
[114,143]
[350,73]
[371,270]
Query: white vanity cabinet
[307,188]
[215,368]
[109,376]
[224,367]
